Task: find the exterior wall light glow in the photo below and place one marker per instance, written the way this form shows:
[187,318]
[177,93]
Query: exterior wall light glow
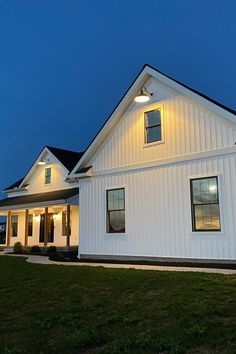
[143,95]
[56,216]
[37,218]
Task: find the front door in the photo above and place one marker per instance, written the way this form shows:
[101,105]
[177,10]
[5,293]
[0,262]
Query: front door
[50,228]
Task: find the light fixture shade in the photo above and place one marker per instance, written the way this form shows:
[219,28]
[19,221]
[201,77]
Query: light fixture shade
[55,216]
[41,162]
[142,97]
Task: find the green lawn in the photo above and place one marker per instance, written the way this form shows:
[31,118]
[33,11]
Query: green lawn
[58,309]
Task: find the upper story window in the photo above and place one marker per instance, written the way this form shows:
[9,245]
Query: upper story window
[153,126]
[116,210]
[48,175]
[205,204]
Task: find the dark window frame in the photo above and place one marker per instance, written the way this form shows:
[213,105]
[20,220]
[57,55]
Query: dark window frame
[46,176]
[108,231]
[194,204]
[30,225]
[14,228]
[64,223]
[146,128]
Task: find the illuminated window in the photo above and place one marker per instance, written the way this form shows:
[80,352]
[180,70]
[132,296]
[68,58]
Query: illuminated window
[153,126]
[48,175]
[30,225]
[205,204]
[116,210]
[14,225]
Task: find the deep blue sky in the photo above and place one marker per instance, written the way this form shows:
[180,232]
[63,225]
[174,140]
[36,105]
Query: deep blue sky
[64,64]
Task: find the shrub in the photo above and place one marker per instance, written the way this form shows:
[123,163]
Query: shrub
[18,248]
[35,249]
[52,249]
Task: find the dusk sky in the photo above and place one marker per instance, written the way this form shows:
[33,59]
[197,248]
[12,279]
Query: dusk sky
[64,65]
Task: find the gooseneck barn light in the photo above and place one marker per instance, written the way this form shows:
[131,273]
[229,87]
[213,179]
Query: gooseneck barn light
[143,95]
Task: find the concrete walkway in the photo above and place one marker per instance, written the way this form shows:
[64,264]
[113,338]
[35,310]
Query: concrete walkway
[45,260]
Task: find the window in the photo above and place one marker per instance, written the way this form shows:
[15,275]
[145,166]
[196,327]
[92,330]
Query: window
[116,210]
[30,225]
[64,223]
[205,204]
[14,225]
[153,126]
[48,175]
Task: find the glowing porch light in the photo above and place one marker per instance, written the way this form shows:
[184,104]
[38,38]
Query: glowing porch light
[42,162]
[56,216]
[37,218]
[143,96]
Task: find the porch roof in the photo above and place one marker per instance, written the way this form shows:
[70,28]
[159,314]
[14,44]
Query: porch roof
[38,199]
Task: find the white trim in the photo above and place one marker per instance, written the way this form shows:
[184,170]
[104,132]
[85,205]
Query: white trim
[169,161]
[146,73]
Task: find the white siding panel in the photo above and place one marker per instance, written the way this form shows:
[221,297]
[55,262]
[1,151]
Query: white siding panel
[158,212]
[188,128]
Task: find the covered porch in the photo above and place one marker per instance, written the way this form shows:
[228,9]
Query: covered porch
[42,219]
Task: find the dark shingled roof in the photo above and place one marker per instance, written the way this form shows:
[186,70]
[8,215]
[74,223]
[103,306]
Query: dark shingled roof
[14,185]
[59,195]
[67,157]
[83,170]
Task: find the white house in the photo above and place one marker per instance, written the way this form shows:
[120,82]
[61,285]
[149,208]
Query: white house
[42,208]
[158,180]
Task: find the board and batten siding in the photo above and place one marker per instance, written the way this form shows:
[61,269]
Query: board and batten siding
[158,212]
[187,126]
[197,143]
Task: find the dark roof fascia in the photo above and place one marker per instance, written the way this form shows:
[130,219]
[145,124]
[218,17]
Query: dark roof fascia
[54,196]
[230,110]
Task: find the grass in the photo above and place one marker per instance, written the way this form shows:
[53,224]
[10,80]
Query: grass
[59,309]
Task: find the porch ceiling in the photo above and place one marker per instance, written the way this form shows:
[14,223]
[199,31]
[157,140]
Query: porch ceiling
[39,199]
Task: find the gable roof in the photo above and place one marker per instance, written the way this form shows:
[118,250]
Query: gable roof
[146,72]
[67,158]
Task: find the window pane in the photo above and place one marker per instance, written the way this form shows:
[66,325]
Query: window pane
[116,221]
[47,175]
[14,225]
[153,134]
[115,210]
[30,225]
[153,118]
[205,206]
[196,186]
[213,190]
[207,217]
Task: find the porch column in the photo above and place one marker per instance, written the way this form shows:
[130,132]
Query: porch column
[8,228]
[46,227]
[68,225]
[26,226]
